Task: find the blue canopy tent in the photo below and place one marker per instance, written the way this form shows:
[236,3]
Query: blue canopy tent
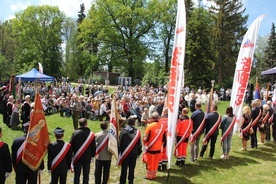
[269,72]
[34,75]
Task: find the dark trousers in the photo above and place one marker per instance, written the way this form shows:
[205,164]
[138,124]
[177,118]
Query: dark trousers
[128,163]
[22,178]
[254,140]
[268,133]
[61,177]
[75,117]
[102,168]
[2,177]
[85,166]
[213,140]
[274,132]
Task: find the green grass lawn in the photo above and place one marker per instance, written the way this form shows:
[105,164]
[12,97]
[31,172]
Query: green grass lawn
[253,166]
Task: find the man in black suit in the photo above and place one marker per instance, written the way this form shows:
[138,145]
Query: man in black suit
[26,110]
[211,130]
[59,158]
[84,148]
[197,118]
[22,171]
[5,160]
[4,107]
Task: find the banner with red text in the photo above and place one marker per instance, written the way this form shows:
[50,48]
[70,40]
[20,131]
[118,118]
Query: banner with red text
[176,76]
[113,131]
[243,69]
[37,139]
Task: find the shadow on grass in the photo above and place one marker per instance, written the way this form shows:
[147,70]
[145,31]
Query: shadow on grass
[179,175]
[262,153]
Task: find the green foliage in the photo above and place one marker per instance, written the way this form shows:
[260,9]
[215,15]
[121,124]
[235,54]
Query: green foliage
[269,59]
[155,74]
[4,69]
[81,14]
[200,53]
[38,31]
[228,31]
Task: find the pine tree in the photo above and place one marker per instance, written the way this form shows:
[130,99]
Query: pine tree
[270,55]
[81,14]
[229,29]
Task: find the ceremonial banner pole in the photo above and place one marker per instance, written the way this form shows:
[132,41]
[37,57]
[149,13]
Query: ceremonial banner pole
[176,73]
[243,69]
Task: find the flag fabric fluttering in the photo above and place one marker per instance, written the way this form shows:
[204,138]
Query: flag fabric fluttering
[257,94]
[243,69]
[113,131]
[37,138]
[176,73]
[40,67]
[210,101]
[12,88]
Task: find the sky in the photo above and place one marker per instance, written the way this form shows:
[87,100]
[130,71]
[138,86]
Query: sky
[254,8]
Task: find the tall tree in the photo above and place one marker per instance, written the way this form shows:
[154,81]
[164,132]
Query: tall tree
[38,31]
[81,13]
[269,54]
[125,25]
[199,49]
[229,29]
[7,47]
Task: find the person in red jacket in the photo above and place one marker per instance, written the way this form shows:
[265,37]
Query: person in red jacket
[183,131]
[153,141]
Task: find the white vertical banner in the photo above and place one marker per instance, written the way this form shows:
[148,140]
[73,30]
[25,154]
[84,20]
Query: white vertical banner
[176,73]
[40,67]
[243,69]
[113,131]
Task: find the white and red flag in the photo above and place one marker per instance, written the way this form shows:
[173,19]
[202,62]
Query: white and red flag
[176,74]
[243,69]
[40,67]
[113,131]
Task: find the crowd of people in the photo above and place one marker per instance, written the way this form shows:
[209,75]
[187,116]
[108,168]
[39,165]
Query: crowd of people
[148,106]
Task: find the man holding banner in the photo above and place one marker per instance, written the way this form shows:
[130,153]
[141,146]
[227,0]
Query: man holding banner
[23,173]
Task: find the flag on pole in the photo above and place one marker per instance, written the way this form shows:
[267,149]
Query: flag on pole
[113,131]
[243,69]
[12,86]
[37,138]
[210,101]
[40,67]
[19,89]
[257,94]
[176,73]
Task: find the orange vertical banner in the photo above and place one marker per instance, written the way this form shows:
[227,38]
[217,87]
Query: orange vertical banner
[37,139]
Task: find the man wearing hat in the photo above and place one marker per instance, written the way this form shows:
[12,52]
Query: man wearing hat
[5,160]
[59,158]
[23,173]
[84,149]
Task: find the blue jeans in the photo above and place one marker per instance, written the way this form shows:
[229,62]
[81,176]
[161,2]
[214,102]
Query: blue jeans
[226,144]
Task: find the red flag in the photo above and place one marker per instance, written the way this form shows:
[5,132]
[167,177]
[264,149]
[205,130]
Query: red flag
[37,139]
